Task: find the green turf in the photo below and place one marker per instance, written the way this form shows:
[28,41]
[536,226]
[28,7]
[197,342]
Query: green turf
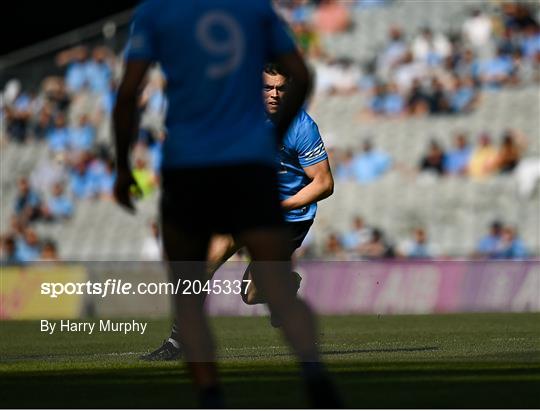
[469,360]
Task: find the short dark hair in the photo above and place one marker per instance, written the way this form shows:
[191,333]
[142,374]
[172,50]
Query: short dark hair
[275,69]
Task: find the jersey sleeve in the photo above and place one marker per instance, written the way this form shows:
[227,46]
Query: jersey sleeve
[141,43]
[281,41]
[309,144]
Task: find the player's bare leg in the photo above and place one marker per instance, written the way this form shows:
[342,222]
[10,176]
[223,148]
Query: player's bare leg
[271,269]
[186,254]
[221,248]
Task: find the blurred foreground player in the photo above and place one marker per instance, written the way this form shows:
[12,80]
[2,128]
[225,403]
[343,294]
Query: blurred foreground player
[212,53]
[304,177]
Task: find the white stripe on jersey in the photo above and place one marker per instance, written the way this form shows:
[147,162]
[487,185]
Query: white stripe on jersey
[316,152]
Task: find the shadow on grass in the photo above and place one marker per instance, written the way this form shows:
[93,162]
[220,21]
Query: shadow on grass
[364,385]
[92,357]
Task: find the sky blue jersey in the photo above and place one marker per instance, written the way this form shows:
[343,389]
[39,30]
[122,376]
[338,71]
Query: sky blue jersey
[212,53]
[302,147]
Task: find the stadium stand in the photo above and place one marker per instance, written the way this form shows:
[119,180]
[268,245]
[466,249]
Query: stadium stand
[453,210]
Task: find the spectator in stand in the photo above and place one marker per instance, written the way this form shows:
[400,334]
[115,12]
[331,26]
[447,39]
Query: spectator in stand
[59,137]
[106,102]
[394,104]
[49,251]
[530,43]
[438,99]
[106,182]
[387,101]
[489,244]
[483,161]
[376,103]
[28,248]
[464,96]
[347,77]
[516,17]
[56,94]
[144,176]
[76,60]
[393,53]
[434,159]
[82,136]
[407,71]
[429,48]
[97,178]
[477,29]
[497,71]
[506,43]
[49,170]
[357,236]
[418,246]
[42,126]
[418,100]
[28,205]
[59,206]
[331,17]
[456,160]
[98,71]
[371,164]
[82,184]
[333,247]
[467,65]
[512,147]
[344,167]
[18,114]
[307,39]
[376,247]
[510,245]
[8,251]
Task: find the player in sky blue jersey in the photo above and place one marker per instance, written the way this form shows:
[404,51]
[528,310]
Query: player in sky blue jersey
[212,53]
[304,177]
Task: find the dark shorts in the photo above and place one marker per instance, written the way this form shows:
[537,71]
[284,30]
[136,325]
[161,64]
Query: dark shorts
[228,199]
[297,231]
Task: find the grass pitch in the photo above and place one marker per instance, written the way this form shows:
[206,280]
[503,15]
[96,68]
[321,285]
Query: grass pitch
[466,360]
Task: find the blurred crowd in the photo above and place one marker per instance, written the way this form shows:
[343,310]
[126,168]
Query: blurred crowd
[429,72]
[365,242]
[425,73]
[476,161]
[71,116]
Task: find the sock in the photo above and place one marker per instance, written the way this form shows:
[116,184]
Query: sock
[174,334]
[174,342]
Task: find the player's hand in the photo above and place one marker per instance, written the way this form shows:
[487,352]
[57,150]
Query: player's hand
[125,187]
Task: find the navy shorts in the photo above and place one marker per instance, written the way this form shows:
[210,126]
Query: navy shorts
[297,231]
[227,199]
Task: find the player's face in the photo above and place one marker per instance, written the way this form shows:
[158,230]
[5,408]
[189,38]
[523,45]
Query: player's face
[275,87]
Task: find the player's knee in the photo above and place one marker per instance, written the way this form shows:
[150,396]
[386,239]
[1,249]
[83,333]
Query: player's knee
[220,249]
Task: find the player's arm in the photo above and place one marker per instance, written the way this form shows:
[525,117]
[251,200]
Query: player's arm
[294,66]
[125,128]
[320,187]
